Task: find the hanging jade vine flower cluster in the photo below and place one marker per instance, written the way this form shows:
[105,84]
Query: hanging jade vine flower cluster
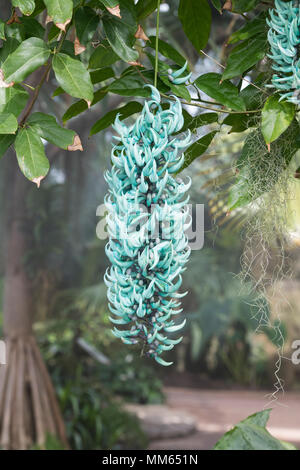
[147,217]
[284,39]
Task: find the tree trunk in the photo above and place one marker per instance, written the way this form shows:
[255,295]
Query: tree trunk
[28,407]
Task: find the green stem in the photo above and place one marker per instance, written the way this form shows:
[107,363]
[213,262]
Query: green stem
[216,110]
[29,86]
[156,44]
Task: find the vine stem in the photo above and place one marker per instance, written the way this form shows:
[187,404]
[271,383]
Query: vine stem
[39,85]
[156,44]
[216,110]
[35,94]
[198,105]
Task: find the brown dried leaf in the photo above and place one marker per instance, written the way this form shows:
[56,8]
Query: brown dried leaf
[76,144]
[3,83]
[78,48]
[140,34]
[48,19]
[38,180]
[62,26]
[14,18]
[115,11]
[136,63]
[227,5]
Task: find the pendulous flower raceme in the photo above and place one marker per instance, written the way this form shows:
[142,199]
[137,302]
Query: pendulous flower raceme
[284,39]
[147,219]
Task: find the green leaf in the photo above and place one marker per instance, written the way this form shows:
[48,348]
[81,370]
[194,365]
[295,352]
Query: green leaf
[86,22]
[13,100]
[53,33]
[120,39]
[2,29]
[250,29]
[26,6]
[128,15]
[39,7]
[97,76]
[276,118]
[144,8]
[60,11]
[251,434]
[75,109]
[31,155]
[32,28]
[73,77]
[110,3]
[101,75]
[47,128]
[193,123]
[225,93]
[5,142]
[289,142]
[167,50]
[30,55]
[253,96]
[162,66]
[9,46]
[8,123]
[102,57]
[15,30]
[239,193]
[177,90]
[240,122]
[244,56]
[81,105]
[125,111]
[260,418]
[196,149]
[67,47]
[195,16]
[129,85]
[217,4]
[58,91]
[240,6]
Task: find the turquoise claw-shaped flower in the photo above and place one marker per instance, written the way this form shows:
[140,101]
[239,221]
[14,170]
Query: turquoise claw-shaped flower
[147,219]
[284,40]
[175,76]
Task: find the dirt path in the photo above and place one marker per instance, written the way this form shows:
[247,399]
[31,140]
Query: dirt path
[216,411]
